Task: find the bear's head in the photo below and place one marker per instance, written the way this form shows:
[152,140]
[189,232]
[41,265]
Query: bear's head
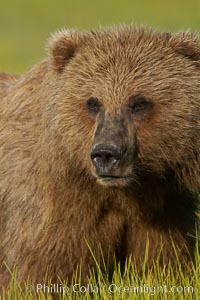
[128,103]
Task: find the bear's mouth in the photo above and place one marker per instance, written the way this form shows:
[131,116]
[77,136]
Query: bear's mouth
[114,181]
[113,177]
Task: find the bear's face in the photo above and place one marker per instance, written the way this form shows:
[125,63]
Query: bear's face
[115,147]
[125,101]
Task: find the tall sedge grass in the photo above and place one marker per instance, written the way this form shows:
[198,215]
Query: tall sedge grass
[169,282]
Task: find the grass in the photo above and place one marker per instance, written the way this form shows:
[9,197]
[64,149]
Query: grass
[169,282]
[26,25]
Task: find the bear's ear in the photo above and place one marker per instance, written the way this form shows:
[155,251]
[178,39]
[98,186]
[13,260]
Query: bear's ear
[186,44]
[62,47]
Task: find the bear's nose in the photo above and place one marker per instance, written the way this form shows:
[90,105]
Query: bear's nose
[104,157]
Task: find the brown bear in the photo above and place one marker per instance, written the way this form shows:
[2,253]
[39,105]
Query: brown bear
[99,153]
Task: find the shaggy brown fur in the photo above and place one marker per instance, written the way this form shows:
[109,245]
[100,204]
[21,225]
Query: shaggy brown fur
[6,81]
[144,98]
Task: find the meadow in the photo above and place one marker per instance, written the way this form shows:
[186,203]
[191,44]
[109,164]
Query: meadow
[169,282]
[25,27]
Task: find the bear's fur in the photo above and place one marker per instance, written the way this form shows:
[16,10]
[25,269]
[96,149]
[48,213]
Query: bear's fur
[144,98]
[6,81]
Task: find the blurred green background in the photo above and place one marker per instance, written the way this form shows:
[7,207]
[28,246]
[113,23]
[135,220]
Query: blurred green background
[26,25]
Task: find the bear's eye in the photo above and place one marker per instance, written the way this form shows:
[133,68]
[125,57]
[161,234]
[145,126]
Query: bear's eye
[139,103]
[93,105]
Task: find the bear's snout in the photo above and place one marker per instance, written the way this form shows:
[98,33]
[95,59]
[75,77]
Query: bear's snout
[105,157]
